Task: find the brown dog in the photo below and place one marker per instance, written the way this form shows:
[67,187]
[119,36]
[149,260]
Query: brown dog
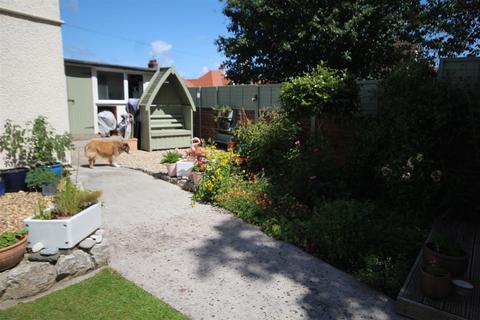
[105,148]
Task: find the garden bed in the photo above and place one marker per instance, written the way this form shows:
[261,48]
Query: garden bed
[39,271]
[17,206]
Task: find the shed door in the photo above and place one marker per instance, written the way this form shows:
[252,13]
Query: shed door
[80,100]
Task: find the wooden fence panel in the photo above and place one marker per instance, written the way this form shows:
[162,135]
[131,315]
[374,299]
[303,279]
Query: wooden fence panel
[461,70]
[368,94]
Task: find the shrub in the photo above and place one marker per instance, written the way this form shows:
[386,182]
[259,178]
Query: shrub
[40,176]
[324,92]
[419,113]
[246,199]
[170,157]
[384,274]
[341,231]
[267,142]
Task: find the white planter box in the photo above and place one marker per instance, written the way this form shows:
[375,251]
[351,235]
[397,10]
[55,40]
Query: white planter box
[64,233]
[184,168]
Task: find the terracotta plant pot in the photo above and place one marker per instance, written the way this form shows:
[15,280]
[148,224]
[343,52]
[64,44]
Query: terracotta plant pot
[132,144]
[197,177]
[435,286]
[171,169]
[457,266]
[12,255]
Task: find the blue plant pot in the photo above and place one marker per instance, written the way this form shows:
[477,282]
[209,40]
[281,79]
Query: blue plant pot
[2,188]
[56,168]
[14,179]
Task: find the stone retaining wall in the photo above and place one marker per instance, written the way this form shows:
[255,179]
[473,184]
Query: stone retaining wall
[38,271]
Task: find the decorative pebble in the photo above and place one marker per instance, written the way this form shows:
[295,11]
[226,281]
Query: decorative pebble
[49,251]
[88,243]
[98,238]
[100,232]
[37,247]
[38,257]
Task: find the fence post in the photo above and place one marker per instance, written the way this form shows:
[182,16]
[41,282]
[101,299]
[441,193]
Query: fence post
[258,103]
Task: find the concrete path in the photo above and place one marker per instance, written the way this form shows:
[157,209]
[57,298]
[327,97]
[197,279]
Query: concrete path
[210,265]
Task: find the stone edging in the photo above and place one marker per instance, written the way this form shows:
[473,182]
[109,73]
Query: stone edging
[39,271]
[185,183]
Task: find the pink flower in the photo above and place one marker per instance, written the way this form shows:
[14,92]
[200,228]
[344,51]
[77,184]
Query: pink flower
[313,177]
[297,143]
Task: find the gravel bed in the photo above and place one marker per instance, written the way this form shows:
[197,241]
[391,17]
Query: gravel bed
[16,206]
[146,161]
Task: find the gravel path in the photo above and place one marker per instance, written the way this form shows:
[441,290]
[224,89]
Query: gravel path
[210,265]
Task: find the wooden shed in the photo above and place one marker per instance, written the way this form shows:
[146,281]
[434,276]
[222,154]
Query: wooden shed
[166,111]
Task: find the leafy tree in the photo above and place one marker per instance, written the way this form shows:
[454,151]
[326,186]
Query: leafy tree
[452,27]
[271,40]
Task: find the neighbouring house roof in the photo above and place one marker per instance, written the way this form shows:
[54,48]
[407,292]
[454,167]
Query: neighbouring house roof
[107,65]
[212,78]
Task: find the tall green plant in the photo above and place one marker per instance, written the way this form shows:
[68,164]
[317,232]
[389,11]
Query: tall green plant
[70,199]
[266,143]
[47,146]
[15,145]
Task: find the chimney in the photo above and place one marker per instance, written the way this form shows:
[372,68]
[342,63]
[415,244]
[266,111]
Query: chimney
[152,64]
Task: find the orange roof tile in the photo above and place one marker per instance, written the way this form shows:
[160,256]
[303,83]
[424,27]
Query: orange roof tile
[212,78]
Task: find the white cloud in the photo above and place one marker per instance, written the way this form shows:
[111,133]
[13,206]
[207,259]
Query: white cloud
[205,69]
[162,51]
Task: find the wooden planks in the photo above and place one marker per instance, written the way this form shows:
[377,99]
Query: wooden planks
[412,303]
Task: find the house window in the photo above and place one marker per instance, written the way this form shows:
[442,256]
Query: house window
[135,85]
[110,86]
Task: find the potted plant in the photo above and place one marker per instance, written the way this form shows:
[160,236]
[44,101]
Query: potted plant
[14,146]
[12,248]
[75,214]
[224,111]
[2,186]
[42,178]
[198,170]
[448,253]
[170,159]
[435,281]
[47,147]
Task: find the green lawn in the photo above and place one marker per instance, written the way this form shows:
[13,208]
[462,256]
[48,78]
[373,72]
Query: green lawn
[105,296]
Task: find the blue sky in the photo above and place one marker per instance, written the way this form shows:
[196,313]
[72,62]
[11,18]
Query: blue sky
[130,32]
